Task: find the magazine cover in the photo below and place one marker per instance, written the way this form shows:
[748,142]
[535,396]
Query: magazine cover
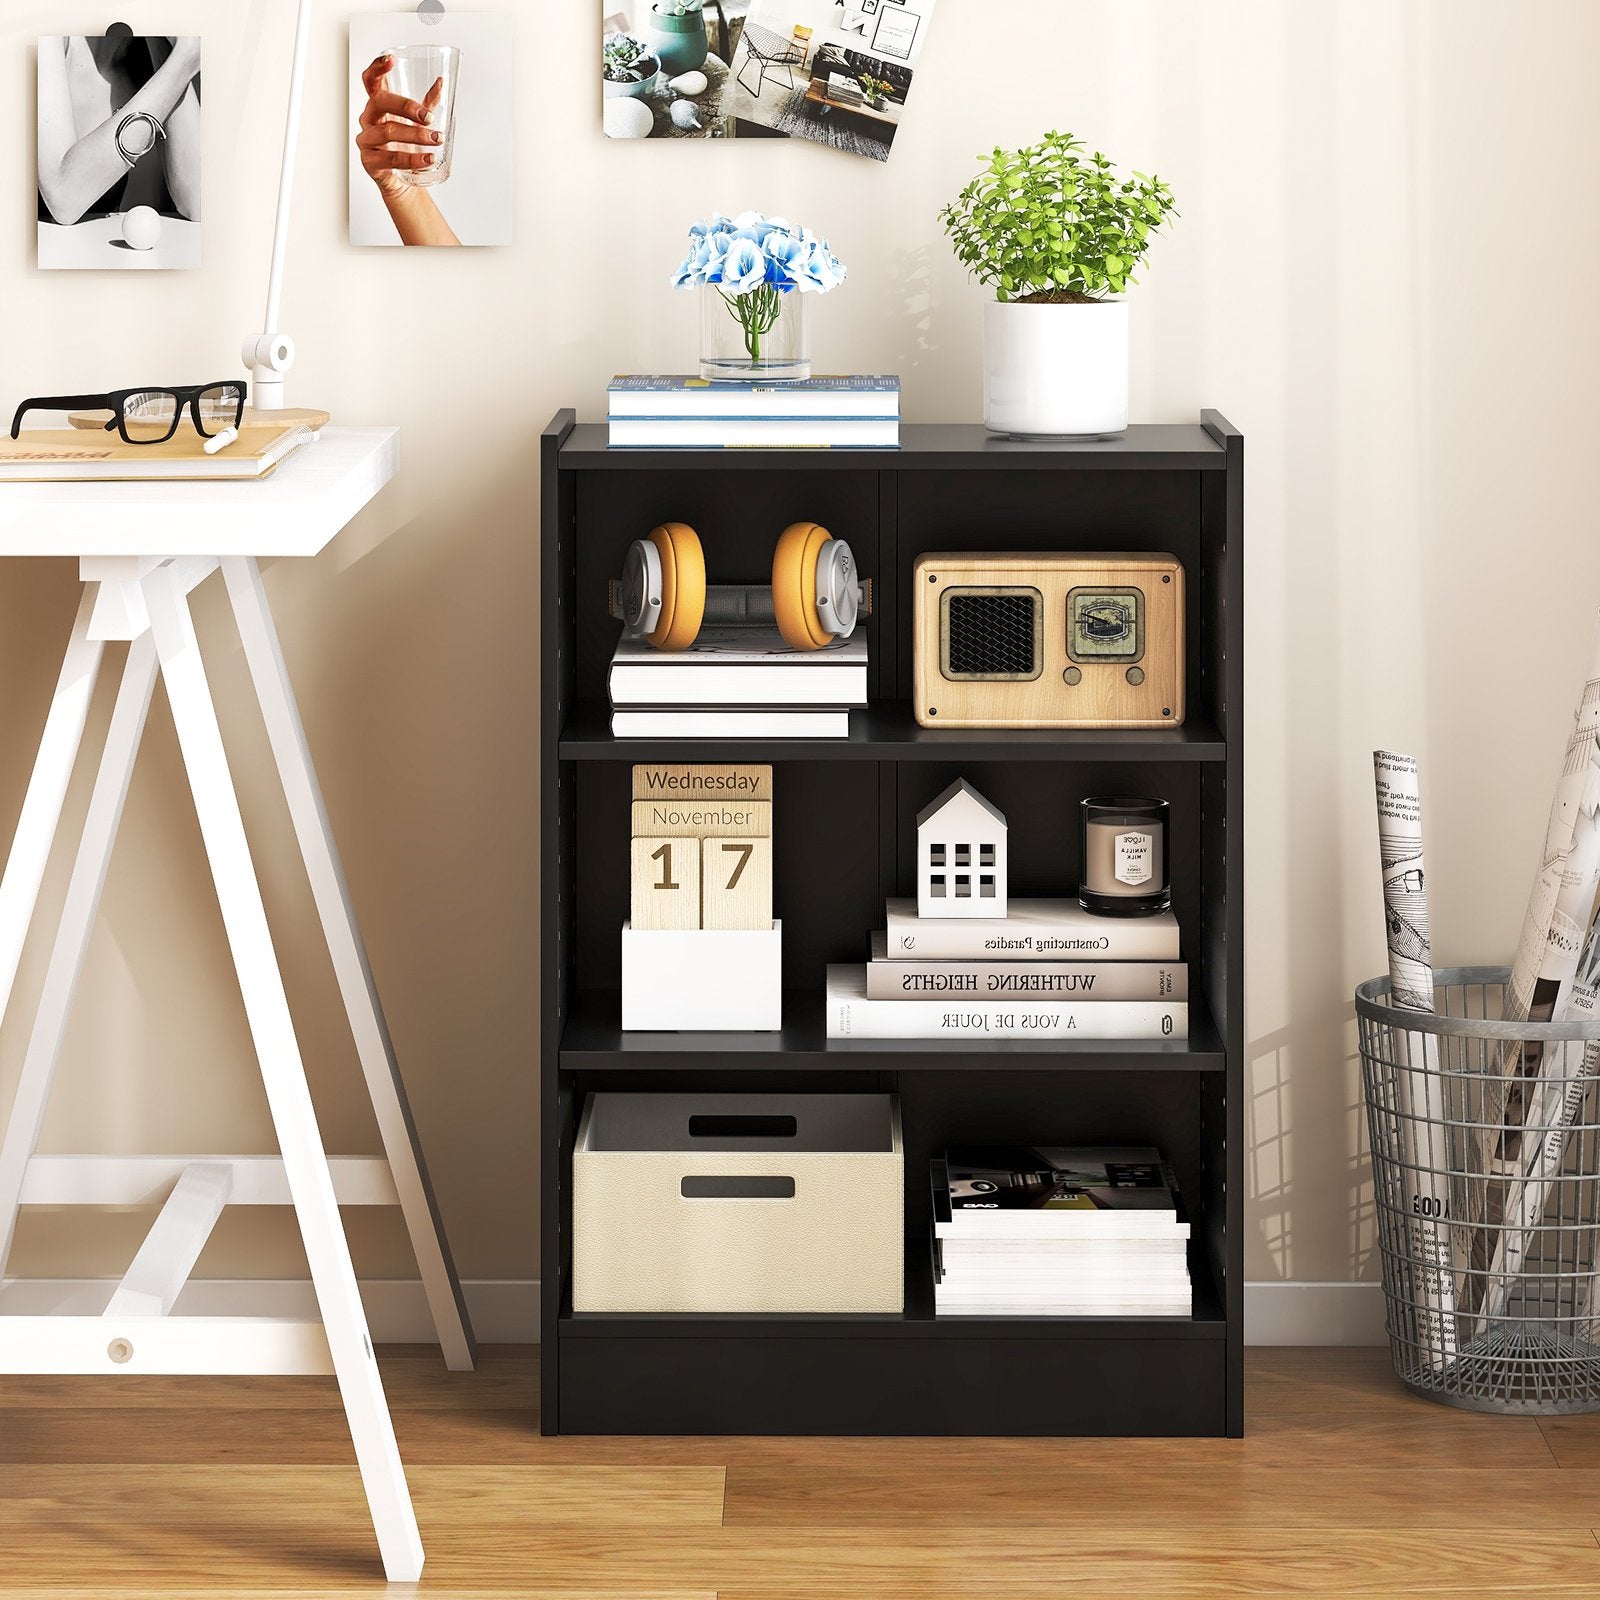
[1043,1179]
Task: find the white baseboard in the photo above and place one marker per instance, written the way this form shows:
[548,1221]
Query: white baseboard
[506,1310]
[1314,1313]
[503,1311]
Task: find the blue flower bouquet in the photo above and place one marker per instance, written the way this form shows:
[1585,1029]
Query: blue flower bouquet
[762,270]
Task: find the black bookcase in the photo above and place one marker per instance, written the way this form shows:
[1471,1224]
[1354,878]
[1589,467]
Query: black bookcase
[844,841]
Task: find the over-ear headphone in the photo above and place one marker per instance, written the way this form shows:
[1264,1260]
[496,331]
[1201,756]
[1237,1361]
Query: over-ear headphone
[817,595]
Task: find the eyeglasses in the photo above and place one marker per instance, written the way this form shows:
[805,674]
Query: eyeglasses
[151,416]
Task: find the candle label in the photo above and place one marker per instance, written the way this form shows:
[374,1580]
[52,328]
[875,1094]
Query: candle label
[1135,858]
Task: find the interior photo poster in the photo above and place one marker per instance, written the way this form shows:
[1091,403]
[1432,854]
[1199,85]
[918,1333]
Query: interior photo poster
[833,72]
[430,128]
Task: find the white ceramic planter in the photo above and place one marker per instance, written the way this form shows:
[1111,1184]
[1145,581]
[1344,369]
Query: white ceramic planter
[1055,370]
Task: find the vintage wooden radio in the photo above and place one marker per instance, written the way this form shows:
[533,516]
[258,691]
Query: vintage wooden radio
[1049,641]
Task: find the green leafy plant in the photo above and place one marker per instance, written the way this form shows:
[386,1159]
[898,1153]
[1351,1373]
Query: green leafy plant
[626,59]
[680,8]
[1047,223]
[876,90]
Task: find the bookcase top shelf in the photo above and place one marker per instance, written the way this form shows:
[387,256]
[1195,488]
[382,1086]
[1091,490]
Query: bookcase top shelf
[887,731]
[924,446]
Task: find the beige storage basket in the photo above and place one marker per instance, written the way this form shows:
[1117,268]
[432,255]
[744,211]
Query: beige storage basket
[739,1202]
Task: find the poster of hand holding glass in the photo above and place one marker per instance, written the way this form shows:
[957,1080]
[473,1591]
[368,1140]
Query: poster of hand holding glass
[431,108]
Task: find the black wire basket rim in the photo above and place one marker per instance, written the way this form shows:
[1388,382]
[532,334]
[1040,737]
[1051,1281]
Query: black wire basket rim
[1372,1006]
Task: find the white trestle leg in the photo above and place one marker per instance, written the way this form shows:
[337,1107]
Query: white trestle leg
[72,935]
[283,1073]
[47,792]
[286,733]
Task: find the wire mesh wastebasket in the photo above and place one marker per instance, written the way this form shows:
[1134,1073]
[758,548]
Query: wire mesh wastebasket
[1486,1171]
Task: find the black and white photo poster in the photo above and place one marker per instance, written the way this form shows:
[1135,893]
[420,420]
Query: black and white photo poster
[119,151]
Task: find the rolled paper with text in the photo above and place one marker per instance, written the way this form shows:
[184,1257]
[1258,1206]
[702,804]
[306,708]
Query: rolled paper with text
[1419,1090]
[1567,1070]
[1547,954]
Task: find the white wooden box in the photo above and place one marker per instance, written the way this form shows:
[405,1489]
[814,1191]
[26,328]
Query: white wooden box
[702,979]
[788,1203]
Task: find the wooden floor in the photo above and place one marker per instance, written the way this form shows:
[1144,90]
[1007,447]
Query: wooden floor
[1344,1486]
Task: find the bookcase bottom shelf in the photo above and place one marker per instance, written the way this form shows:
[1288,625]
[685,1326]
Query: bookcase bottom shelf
[681,1383]
[914,1374]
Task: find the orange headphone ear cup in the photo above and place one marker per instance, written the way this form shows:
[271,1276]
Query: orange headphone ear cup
[794,586]
[683,586]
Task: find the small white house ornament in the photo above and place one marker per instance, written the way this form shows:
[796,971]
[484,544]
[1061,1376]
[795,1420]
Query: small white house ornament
[961,855]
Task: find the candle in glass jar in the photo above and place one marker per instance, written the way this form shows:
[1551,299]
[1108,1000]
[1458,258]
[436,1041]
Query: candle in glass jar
[1125,872]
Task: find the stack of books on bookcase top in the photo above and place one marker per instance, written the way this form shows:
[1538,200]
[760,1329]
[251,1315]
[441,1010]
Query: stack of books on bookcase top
[651,412]
[737,683]
[1044,1232]
[1049,970]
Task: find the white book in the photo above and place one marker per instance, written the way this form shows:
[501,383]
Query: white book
[733,666]
[897,978]
[851,1015]
[1028,1308]
[1069,1253]
[1031,930]
[1064,1288]
[759,433]
[822,395]
[746,724]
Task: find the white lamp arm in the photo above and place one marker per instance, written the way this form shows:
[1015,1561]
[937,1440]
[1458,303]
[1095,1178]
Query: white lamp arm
[270,353]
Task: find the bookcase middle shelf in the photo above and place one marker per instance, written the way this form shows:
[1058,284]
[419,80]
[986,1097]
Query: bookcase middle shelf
[593,1041]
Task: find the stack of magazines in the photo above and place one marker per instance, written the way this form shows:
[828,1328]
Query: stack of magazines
[1047,1232]
[655,412]
[844,89]
[737,683]
[1047,971]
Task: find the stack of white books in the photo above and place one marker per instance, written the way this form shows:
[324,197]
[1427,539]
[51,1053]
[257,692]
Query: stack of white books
[737,683]
[655,411]
[1048,971]
[844,89]
[1051,1232]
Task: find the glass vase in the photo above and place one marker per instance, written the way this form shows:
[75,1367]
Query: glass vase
[760,337]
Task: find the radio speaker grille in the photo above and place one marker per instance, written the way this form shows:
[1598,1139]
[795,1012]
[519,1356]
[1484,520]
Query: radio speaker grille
[992,633]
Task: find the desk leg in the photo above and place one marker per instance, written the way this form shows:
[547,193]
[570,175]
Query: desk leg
[47,791]
[329,888]
[72,935]
[283,1073]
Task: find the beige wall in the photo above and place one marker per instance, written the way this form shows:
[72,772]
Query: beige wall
[1383,274]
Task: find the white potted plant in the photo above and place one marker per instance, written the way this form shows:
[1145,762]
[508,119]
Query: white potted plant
[1057,235]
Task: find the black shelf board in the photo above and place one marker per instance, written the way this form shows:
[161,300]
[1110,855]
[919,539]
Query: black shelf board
[593,1041]
[1145,447]
[916,1322]
[887,731]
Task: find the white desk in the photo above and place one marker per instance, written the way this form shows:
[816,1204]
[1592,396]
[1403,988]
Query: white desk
[141,549]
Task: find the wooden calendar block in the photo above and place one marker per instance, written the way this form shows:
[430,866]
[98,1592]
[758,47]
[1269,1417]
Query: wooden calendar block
[700,783]
[666,883]
[702,819]
[736,883]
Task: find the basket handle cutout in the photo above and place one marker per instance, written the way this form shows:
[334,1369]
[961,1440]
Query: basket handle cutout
[742,1127]
[753,1188]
